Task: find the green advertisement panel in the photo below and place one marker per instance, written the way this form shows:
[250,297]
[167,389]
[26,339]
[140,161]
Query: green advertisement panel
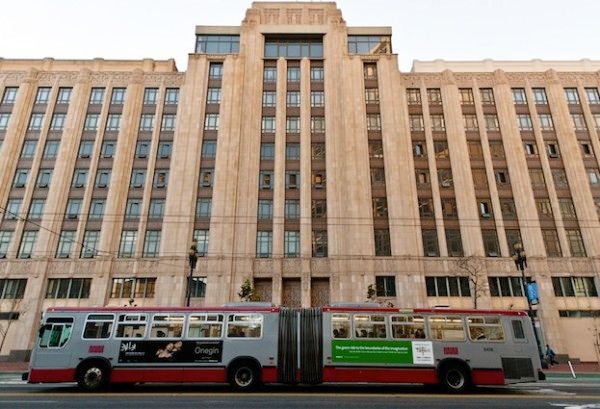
[371,351]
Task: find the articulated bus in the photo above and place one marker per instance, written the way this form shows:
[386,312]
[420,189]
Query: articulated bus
[247,344]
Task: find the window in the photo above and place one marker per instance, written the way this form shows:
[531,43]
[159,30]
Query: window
[206,177]
[586,149]
[385,286]
[419,149]
[437,123]
[203,207]
[574,287]
[382,242]
[168,123]
[506,286]
[519,96]
[96,96]
[544,209]
[129,325]
[445,178]
[268,124]
[502,177]
[86,148]
[91,122]
[35,122]
[416,122]
[539,95]
[317,99]
[265,180]
[138,178]
[152,243]
[292,209]
[56,334]
[245,325]
[593,176]
[413,96]
[4,120]
[377,176]
[270,74]
[201,237]
[319,209]
[156,209]
[491,122]
[485,208]
[217,44]
[579,122]
[198,290]
[319,179]
[508,208]
[98,326]
[375,150]
[265,209]
[575,243]
[319,243]
[12,288]
[215,71]
[292,179]
[560,178]
[164,150]
[434,96]
[293,99]
[479,178]
[28,150]
[213,96]
[372,96]
[524,122]
[61,288]
[369,326]
[150,96]
[91,239]
[51,149]
[537,178]
[317,124]
[118,96]
[449,208]
[370,71]
[487,96]
[44,178]
[451,286]
[127,245]
[142,148]
[36,209]
[466,96]
[422,178]
[205,325]
[292,124]
[13,209]
[132,288]
[264,243]
[291,243]
[97,209]
[209,149]
[592,96]
[551,243]
[132,208]
[447,328]
[318,151]
[73,208]
[490,243]
[20,178]
[269,99]
[572,95]
[371,44]
[58,122]
[27,244]
[430,243]
[485,329]
[426,208]
[5,239]
[530,149]
[79,178]
[317,74]
[10,95]
[161,178]
[454,243]
[292,151]
[167,326]
[497,150]
[546,122]
[380,208]
[172,96]
[373,122]
[42,96]
[567,209]
[147,122]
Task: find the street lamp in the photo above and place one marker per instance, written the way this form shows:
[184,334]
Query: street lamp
[192,258]
[520,259]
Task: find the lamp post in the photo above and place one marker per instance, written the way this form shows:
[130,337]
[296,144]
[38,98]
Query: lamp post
[192,258]
[520,259]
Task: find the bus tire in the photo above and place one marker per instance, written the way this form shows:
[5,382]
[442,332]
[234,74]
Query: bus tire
[455,378]
[244,375]
[92,376]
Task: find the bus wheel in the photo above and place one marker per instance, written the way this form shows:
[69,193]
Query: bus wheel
[244,376]
[455,378]
[92,376]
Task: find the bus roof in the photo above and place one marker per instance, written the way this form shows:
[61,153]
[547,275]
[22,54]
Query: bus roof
[425,310]
[237,308]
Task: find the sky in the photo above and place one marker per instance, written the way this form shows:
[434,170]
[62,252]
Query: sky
[421,29]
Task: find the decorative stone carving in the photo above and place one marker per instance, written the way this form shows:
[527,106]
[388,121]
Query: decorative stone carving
[448,78]
[294,16]
[552,76]
[316,16]
[270,16]
[500,78]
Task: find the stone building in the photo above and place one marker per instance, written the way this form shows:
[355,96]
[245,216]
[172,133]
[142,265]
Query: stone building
[298,156]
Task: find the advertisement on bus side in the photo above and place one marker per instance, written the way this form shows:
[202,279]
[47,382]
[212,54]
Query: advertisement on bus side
[378,351]
[170,351]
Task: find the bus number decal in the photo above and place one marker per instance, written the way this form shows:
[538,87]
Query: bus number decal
[170,351]
[450,350]
[372,351]
[96,349]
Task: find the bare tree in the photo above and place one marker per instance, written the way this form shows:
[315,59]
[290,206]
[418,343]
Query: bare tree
[12,313]
[373,297]
[472,268]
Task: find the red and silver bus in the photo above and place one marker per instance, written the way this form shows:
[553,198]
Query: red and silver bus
[247,344]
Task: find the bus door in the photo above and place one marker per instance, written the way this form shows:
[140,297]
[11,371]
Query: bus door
[53,349]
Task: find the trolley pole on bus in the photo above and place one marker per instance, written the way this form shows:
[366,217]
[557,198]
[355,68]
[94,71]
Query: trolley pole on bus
[192,258]
[520,259]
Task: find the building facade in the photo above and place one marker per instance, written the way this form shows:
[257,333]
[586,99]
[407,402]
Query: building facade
[300,158]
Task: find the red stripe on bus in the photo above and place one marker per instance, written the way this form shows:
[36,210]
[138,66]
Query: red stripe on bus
[487,377]
[51,375]
[269,374]
[425,310]
[164,309]
[380,375]
[129,375]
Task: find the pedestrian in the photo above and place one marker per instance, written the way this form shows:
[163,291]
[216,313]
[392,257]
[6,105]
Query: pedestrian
[550,356]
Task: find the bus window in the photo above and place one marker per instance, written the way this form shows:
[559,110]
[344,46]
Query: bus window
[167,326]
[245,326]
[408,326]
[205,326]
[56,334]
[98,326]
[131,326]
[518,332]
[340,325]
[485,329]
[447,328]
[369,326]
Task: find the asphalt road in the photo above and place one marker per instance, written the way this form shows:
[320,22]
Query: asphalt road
[581,394]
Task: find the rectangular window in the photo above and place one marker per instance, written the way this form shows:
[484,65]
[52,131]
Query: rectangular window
[27,244]
[575,243]
[142,149]
[546,122]
[574,287]
[132,288]
[13,209]
[370,71]
[265,180]
[91,239]
[217,44]
[380,207]
[268,124]
[132,208]
[201,237]
[91,122]
[539,95]
[318,151]
[168,123]
[150,96]
[592,96]
[97,209]
[430,243]
[152,243]
[292,124]
[485,329]
[138,178]
[519,96]
[490,243]
[551,243]
[96,96]
[437,123]
[35,122]
[470,122]
[524,122]
[434,96]
[198,290]
[86,148]
[161,178]
[79,178]
[108,149]
[128,242]
[12,288]
[203,207]
[291,243]
[156,209]
[372,96]
[147,122]
[56,335]
[36,209]
[167,326]
[382,242]
[245,325]
[454,243]
[416,123]
[491,122]
[560,178]
[74,288]
[317,99]
[449,286]
[118,96]
[319,209]
[293,99]
[205,325]
[264,243]
[10,95]
[572,96]
[98,326]
[292,179]
[172,96]
[73,208]
[206,177]
[5,240]
[43,95]
[213,96]
[20,178]
[58,122]
[28,150]
[265,209]
[373,122]
[103,178]
[375,150]
[446,328]
[215,71]
[292,151]
[317,74]
[164,150]
[319,243]
[51,149]
[385,286]
[270,74]
[317,124]
[292,209]
[426,208]
[466,96]
[487,96]
[579,122]
[506,286]
[413,96]
[4,120]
